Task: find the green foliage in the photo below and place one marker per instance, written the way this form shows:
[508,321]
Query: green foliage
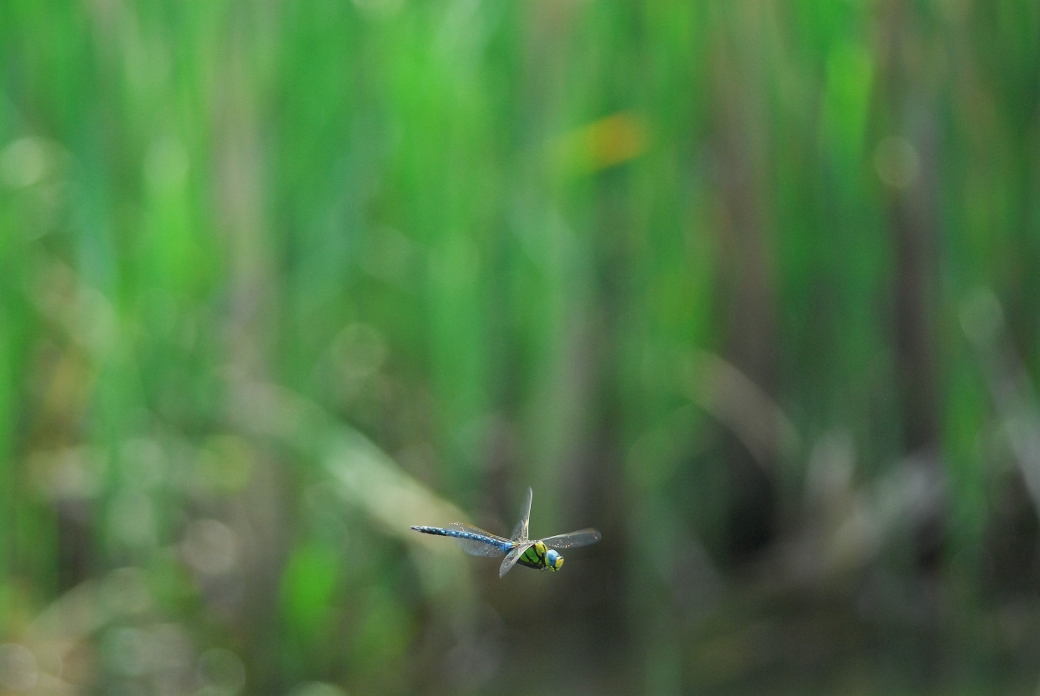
[308,587]
[749,286]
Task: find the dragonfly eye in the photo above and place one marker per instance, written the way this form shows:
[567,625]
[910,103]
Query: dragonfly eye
[553,559]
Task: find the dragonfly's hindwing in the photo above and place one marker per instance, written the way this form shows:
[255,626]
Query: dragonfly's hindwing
[513,556]
[572,540]
[472,540]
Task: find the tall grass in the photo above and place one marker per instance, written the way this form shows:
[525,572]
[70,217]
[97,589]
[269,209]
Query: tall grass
[749,286]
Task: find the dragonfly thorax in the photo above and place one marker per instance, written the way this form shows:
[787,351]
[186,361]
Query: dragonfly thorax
[541,557]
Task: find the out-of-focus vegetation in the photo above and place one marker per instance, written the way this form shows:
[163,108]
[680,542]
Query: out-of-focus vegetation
[753,287]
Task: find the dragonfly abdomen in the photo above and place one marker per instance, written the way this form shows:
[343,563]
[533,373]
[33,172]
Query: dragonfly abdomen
[456,534]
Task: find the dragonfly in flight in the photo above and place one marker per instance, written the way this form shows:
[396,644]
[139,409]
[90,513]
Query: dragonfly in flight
[541,554]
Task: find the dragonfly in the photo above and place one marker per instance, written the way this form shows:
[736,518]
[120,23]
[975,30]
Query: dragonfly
[541,554]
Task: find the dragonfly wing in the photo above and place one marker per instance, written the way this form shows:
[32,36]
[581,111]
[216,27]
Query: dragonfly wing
[478,542]
[520,531]
[572,540]
[513,556]
[472,540]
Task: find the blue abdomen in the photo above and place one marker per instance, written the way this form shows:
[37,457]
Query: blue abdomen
[456,534]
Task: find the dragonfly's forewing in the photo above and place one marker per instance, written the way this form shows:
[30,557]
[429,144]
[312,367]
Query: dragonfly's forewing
[513,556]
[571,540]
[489,547]
[520,531]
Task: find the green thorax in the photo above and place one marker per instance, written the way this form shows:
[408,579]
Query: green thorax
[534,557]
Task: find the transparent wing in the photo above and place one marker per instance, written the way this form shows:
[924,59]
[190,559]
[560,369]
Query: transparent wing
[572,540]
[520,530]
[513,556]
[489,545]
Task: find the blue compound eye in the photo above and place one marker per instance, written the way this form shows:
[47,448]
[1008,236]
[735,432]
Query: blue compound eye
[553,559]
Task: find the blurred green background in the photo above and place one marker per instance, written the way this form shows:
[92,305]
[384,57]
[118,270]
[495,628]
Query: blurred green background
[753,287]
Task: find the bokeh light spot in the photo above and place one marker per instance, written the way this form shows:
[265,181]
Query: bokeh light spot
[317,689]
[18,670]
[166,163]
[25,162]
[225,464]
[222,671]
[131,518]
[210,547]
[897,162]
[126,651]
[359,350]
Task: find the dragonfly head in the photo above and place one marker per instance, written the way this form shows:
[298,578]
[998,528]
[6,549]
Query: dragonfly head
[553,560]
